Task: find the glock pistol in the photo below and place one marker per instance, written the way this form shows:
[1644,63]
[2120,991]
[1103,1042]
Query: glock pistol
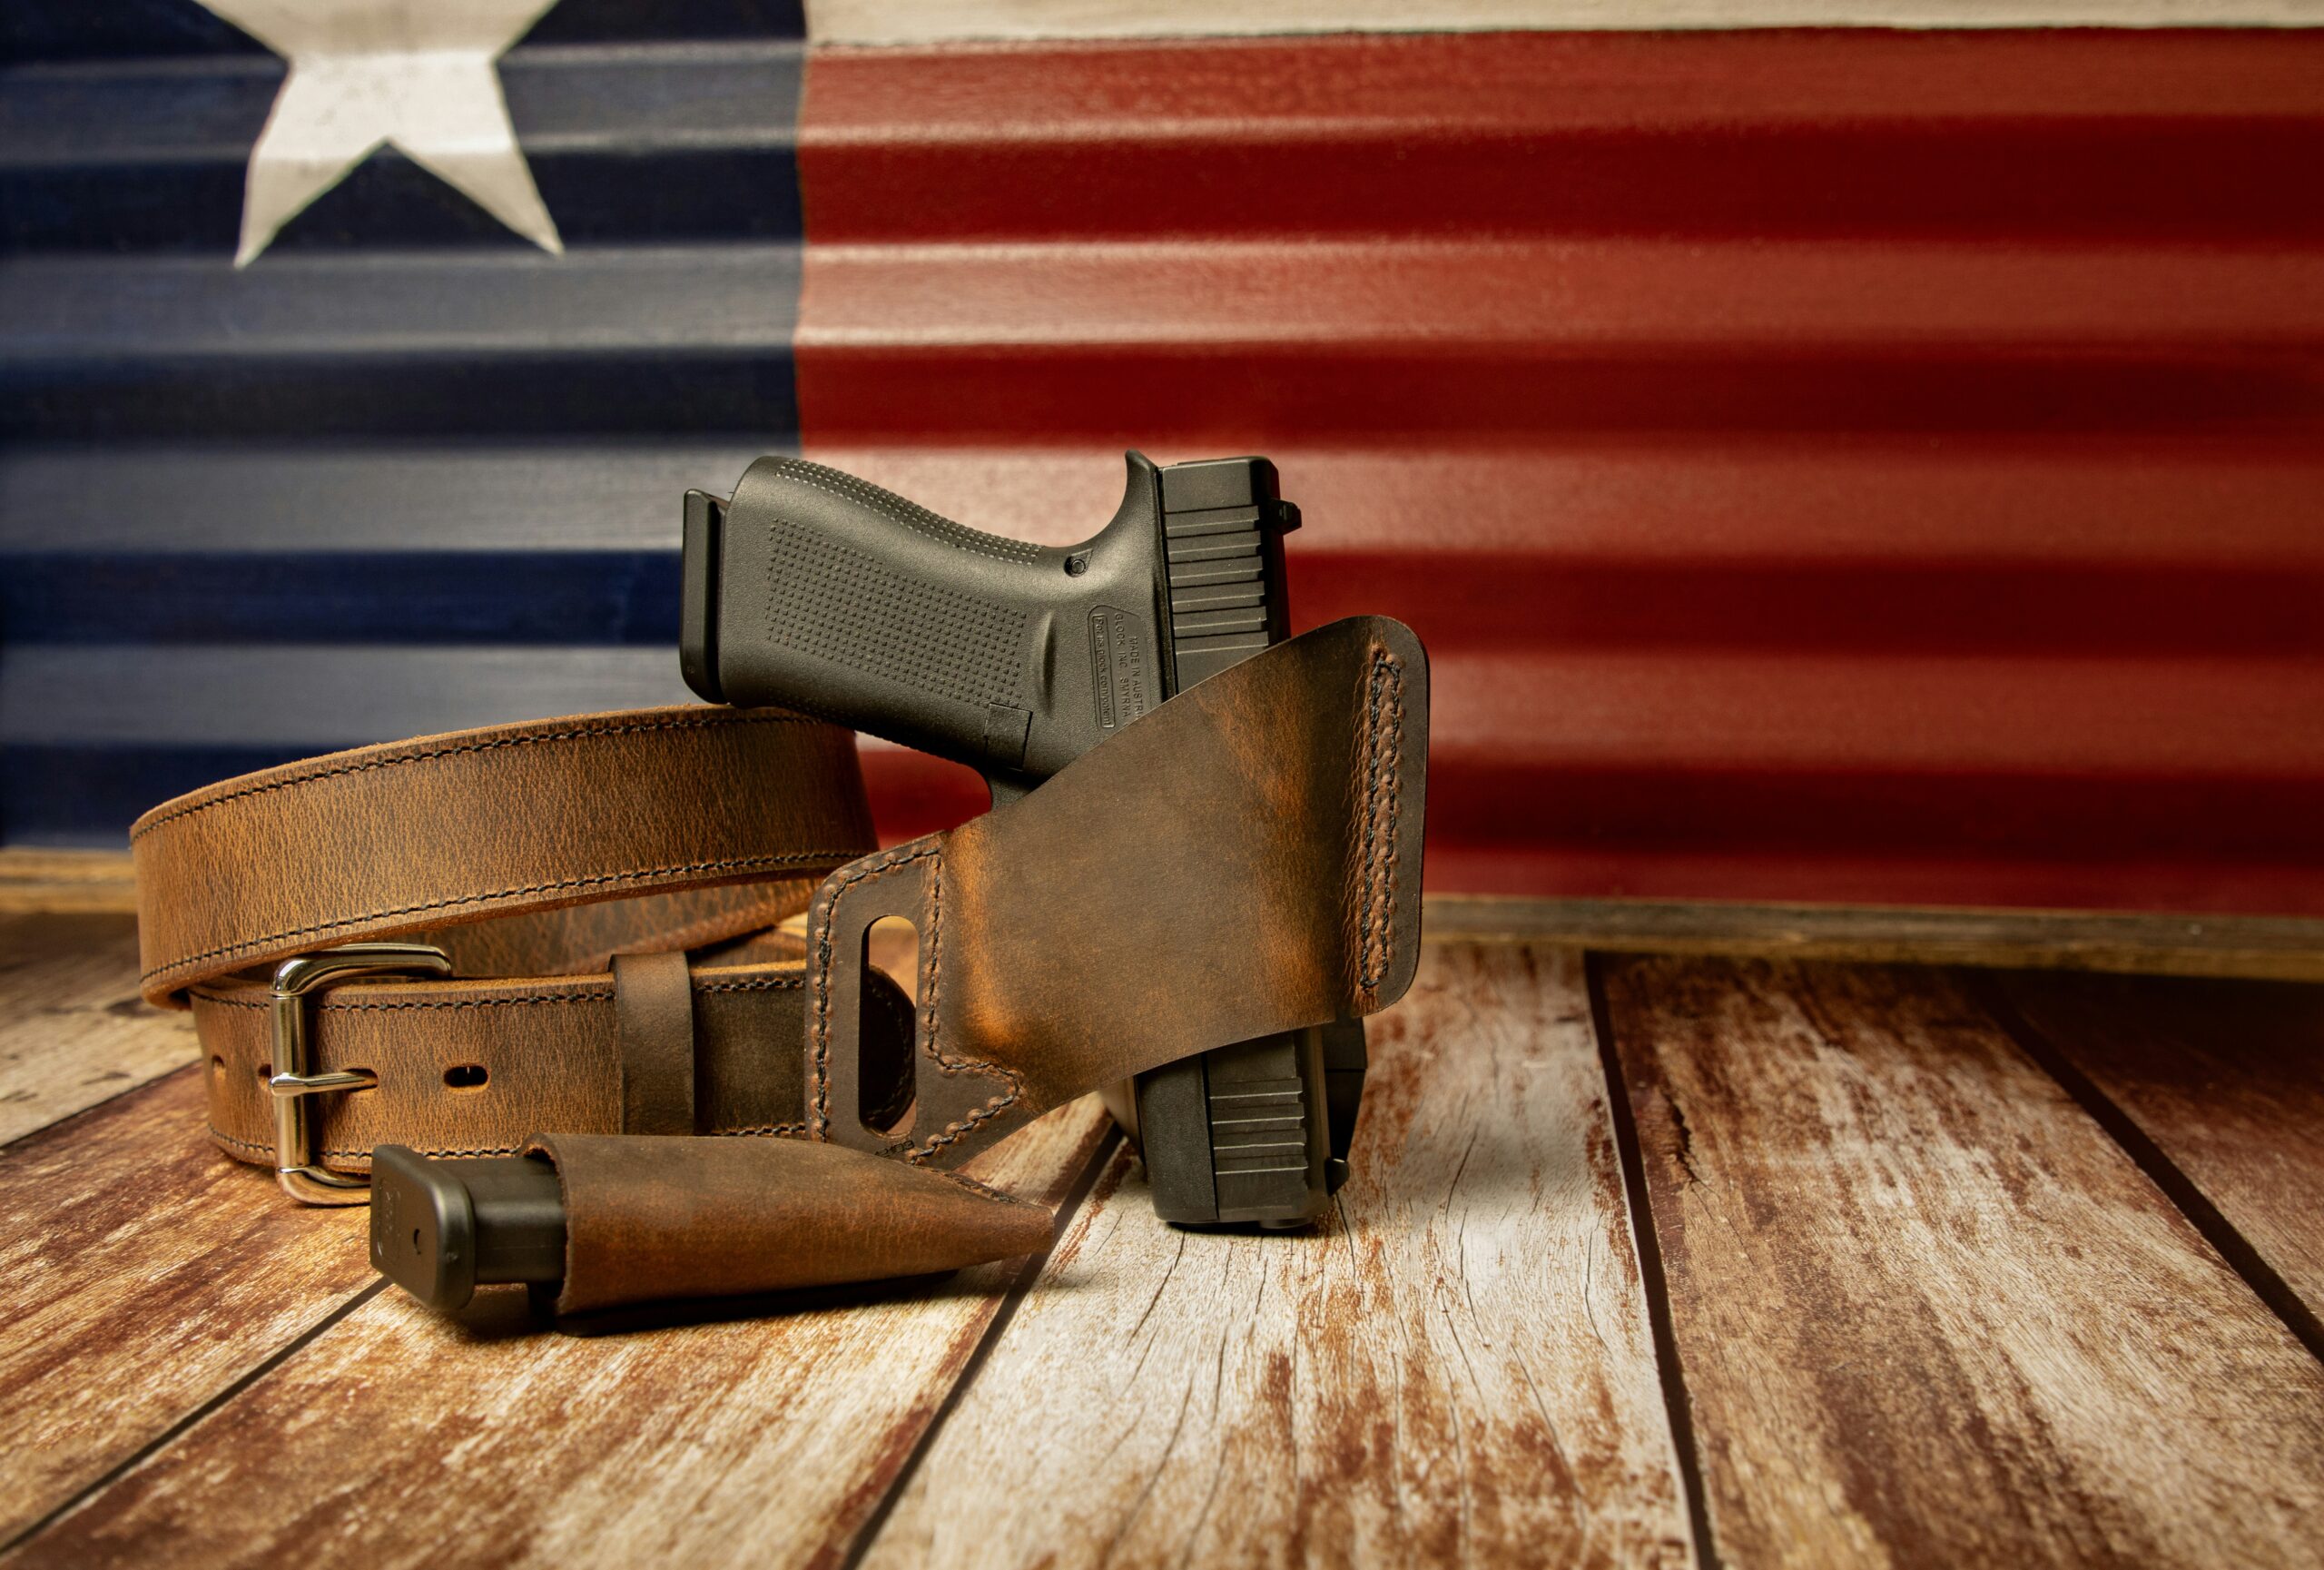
[813,590]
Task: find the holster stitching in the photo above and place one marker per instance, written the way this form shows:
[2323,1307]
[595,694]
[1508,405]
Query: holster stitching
[1384,737]
[995,1104]
[820,1118]
[933,969]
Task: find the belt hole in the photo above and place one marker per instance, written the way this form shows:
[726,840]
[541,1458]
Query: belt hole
[218,1066]
[465,1076]
[266,1071]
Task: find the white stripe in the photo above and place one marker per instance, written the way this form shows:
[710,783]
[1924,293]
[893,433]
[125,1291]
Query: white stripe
[378,498]
[309,696]
[935,20]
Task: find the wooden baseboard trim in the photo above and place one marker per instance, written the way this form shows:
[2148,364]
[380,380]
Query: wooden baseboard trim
[76,881]
[2279,948]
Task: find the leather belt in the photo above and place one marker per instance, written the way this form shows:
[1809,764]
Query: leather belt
[1243,860]
[681,828]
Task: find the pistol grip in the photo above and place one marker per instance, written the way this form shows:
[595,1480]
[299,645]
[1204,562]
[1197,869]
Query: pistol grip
[814,590]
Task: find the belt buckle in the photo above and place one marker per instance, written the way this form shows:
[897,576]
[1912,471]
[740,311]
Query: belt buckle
[296,1165]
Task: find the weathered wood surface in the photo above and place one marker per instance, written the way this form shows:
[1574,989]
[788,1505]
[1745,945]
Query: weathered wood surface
[2280,947]
[55,880]
[73,1029]
[398,1437]
[2227,1081]
[1456,1370]
[1925,1312]
[141,1274]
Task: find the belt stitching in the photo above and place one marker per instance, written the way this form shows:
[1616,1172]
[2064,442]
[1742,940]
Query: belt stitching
[727,864]
[705,723]
[759,1130]
[592,995]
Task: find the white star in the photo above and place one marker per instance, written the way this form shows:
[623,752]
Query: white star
[418,74]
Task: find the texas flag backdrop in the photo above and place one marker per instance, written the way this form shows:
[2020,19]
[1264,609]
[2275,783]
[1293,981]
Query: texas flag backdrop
[1836,464]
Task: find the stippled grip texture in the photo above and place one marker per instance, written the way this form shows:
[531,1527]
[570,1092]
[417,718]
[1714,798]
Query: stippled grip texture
[850,602]
[829,601]
[899,509]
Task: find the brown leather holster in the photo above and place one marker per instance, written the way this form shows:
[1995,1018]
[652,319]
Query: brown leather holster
[1243,859]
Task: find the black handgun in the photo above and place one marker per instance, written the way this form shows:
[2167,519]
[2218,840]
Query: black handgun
[814,590]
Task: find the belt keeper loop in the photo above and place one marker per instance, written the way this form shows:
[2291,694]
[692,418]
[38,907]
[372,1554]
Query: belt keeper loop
[653,1036]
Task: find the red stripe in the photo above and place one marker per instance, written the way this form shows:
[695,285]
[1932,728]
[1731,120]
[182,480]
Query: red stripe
[1843,466]
[1252,345]
[2082,132]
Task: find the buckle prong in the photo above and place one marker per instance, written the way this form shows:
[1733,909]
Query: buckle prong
[298,1167]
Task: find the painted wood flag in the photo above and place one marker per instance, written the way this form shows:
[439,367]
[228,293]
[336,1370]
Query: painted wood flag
[1832,464]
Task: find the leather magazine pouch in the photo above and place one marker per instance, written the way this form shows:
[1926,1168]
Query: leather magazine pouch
[654,1220]
[1243,860]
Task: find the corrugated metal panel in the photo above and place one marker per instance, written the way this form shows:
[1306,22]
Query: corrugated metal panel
[1825,466]
[1861,467]
[404,471]
[934,21]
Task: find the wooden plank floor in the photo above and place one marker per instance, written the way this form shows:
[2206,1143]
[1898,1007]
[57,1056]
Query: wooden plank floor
[1649,1260]
[1458,1367]
[74,1031]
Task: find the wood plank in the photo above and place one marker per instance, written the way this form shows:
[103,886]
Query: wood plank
[2226,1079]
[2289,948]
[1926,1311]
[73,1029]
[398,1437]
[82,881]
[141,1274]
[1458,1366]
[2283,948]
